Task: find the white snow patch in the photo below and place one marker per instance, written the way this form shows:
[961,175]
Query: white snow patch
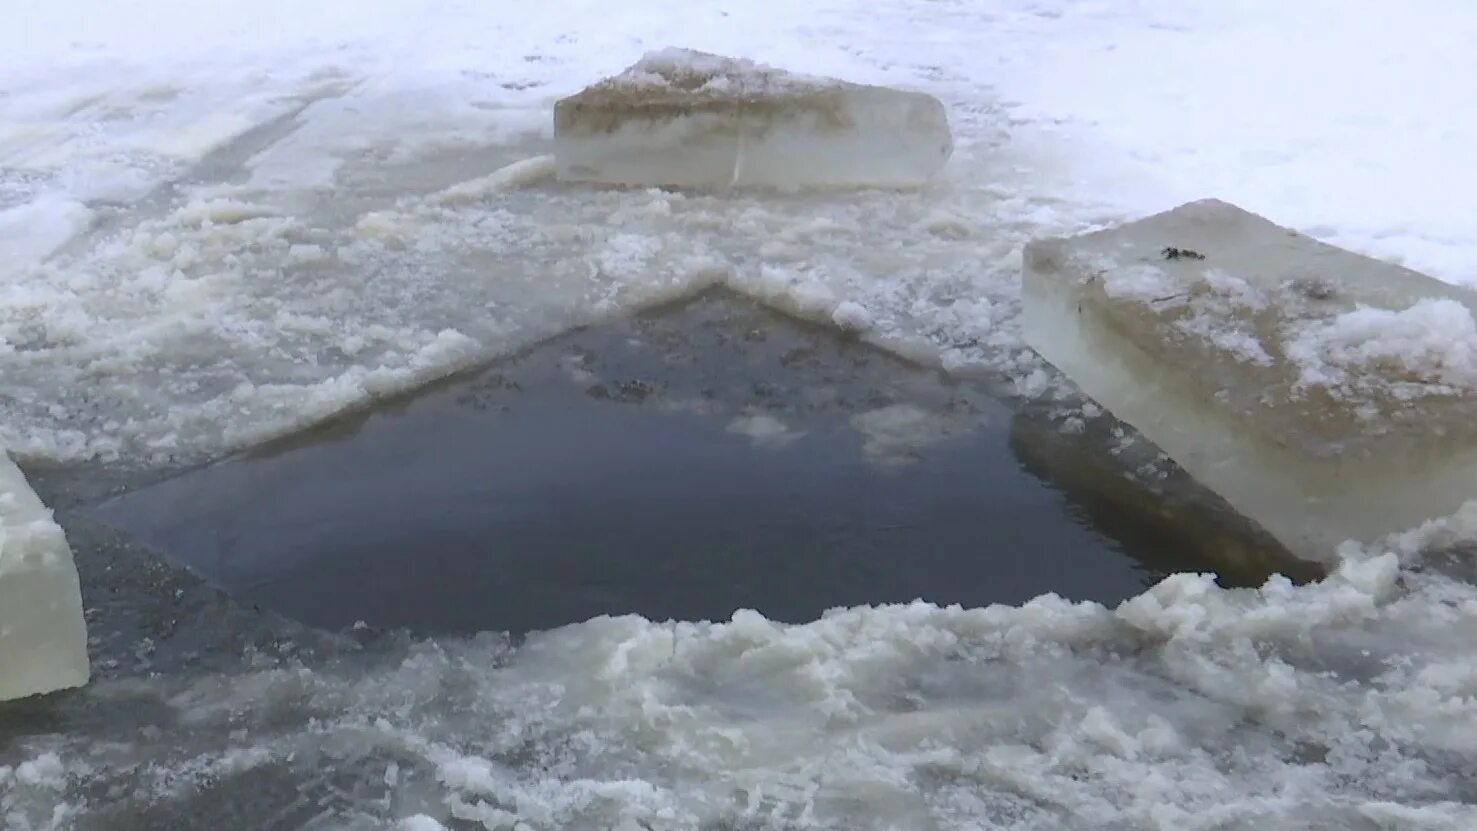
[33,231]
[1240,343]
[44,771]
[850,316]
[1431,343]
[677,68]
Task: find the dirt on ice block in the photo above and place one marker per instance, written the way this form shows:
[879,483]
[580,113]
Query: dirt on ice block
[689,119]
[43,638]
[1325,395]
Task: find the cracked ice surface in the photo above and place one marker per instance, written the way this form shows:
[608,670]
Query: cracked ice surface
[238,257]
[270,230]
[238,313]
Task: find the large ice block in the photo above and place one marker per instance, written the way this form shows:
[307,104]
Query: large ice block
[691,119]
[43,638]
[1325,395]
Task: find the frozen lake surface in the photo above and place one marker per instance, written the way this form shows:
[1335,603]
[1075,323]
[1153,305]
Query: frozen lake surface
[225,225]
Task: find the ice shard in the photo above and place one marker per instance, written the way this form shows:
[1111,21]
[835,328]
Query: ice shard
[690,119]
[1323,394]
[43,638]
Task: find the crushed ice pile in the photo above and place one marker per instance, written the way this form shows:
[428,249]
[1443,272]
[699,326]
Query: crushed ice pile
[1343,704]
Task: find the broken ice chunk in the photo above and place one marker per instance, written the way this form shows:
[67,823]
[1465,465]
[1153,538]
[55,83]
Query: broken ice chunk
[1325,395]
[43,639]
[684,118]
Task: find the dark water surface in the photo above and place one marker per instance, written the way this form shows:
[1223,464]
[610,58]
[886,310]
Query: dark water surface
[691,461]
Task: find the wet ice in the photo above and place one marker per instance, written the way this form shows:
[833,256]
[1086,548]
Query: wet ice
[43,637]
[1326,395]
[679,117]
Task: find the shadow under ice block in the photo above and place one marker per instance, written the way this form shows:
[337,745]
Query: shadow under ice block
[1326,395]
[43,638]
[689,119]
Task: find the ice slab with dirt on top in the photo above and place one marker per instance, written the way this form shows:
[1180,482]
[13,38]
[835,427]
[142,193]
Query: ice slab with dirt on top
[690,119]
[43,637]
[1325,395]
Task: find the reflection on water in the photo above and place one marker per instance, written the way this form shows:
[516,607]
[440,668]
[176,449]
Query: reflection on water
[692,461]
[1162,516]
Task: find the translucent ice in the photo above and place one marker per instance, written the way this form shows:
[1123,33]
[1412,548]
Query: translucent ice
[687,118]
[43,639]
[1326,395]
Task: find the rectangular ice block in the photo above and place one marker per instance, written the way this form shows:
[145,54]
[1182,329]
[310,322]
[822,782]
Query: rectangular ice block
[1325,395]
[43,638]
[690,119]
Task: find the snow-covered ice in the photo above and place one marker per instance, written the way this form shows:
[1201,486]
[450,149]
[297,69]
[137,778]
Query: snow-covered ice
[680,117]
[43,637]
[1326,395]
[159,161]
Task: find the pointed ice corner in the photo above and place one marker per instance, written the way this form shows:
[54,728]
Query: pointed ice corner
[43,638]
[1323,394]
[689,119]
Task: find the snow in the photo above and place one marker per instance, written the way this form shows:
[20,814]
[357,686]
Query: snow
[31,788]
[850,316]
[160,161]
[43,637]
[1432,344]
[34,230]
[44,771]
